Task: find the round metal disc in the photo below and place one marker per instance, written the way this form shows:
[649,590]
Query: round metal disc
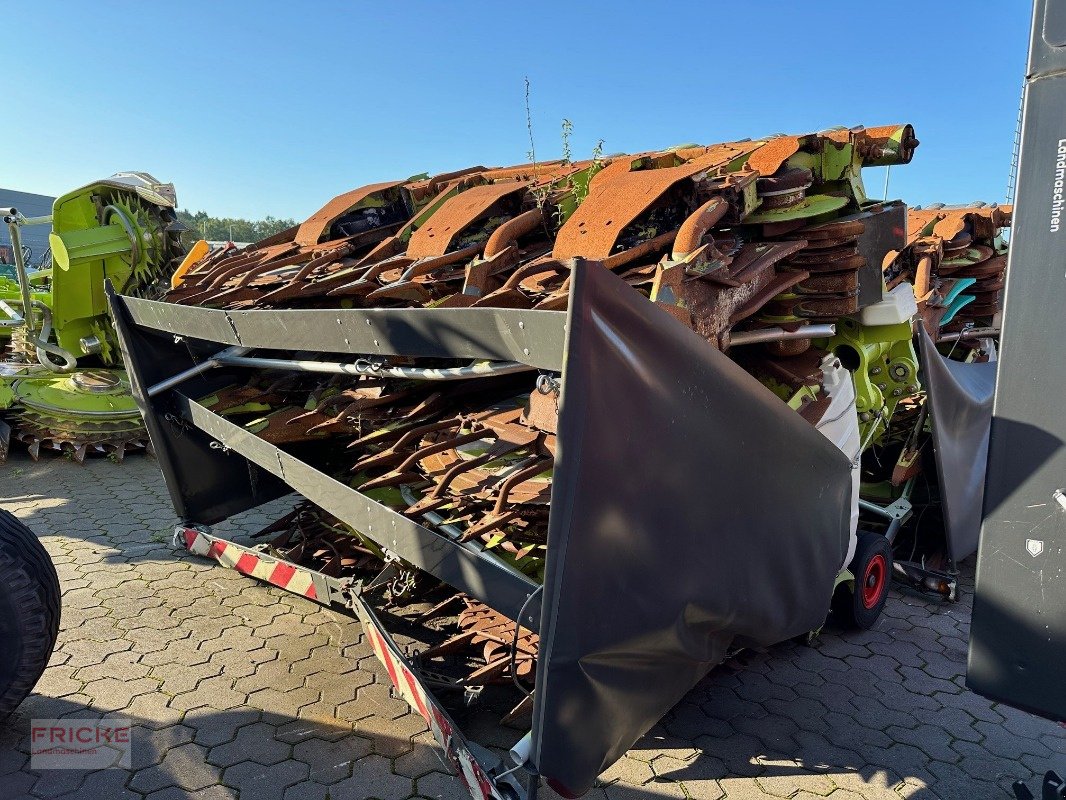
[99,381]
[95,393]
[813,206]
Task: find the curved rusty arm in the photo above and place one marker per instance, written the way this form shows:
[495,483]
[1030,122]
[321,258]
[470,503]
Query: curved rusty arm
[347,272]
[923,278]
[534,268]
[499,516]
[404,474]
[313,261]
[645,248]
[396,453]
[399,289]
[510,288]
[365,283]
[509,232]
[696,226]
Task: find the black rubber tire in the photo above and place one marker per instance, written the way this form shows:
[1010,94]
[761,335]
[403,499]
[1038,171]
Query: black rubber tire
[861,606]
[29,611]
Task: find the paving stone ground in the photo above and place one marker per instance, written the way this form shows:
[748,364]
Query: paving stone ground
[238,690]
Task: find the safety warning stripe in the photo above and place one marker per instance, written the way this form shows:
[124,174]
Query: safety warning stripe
[301,581]
[248,562]
[471,773]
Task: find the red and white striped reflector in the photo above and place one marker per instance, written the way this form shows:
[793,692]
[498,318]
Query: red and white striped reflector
[301,581]
[470,772]
[248,562]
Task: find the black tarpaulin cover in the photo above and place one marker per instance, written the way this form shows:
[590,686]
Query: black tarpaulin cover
[692,511]
[960,397]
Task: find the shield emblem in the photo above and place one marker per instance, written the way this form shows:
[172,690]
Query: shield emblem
[1034,546]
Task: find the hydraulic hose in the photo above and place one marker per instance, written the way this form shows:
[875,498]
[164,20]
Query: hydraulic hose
[44,348]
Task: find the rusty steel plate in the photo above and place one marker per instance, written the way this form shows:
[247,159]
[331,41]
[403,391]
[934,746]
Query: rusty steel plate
[436,236]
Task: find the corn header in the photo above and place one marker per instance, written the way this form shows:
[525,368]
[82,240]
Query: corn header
[589,427]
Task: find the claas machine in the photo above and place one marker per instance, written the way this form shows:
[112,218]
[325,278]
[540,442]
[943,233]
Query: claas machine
[62,386]
[584,429]
[566,435]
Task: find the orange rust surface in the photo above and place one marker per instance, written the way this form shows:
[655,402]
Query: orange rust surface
[951,221]
[456,214]
[547,171]
[509,231]
[842,136]
[693,229]
[769,158]
[427,187]
[917,219]
[618,195]
[883,131]
[317,225]
[950,225]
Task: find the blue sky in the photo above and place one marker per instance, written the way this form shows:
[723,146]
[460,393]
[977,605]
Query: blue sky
[256,108]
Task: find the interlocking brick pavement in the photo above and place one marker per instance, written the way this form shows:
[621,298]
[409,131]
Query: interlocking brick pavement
[239,690]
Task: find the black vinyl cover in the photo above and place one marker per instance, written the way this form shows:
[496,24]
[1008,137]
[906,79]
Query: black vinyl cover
[692,512]
[960,397]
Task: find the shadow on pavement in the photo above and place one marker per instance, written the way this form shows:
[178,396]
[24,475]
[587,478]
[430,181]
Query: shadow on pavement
[219,754]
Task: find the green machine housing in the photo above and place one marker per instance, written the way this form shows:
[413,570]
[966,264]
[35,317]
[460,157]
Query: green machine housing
[123,229]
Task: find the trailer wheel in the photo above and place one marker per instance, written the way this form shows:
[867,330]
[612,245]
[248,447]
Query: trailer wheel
[860,607]
[29,611]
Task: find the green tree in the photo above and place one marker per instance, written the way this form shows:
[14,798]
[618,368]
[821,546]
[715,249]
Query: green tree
[202,225]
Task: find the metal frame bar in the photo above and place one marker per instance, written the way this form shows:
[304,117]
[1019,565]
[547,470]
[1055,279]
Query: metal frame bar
[193,371]
[21,274]
[14,318]
[781,335]
[896,512]
[204,488]
[465,567]
[536,338]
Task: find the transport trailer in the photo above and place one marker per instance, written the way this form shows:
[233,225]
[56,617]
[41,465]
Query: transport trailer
[660,561]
